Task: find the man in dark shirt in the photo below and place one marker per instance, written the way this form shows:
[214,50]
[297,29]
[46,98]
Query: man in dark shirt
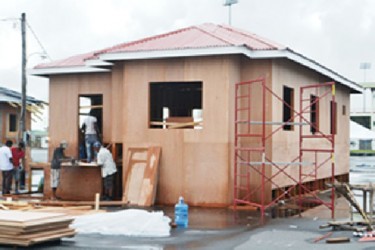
[57,159]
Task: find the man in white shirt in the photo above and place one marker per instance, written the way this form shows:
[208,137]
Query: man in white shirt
[6,166]
[91,130]
[105,160]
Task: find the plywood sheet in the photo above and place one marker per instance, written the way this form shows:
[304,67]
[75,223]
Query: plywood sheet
[79,183]
[23,228]
[140,180]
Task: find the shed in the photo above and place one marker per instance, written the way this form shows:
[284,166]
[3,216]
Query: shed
[178,90]
[10,109]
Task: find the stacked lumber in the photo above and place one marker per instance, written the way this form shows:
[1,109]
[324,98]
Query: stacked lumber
[15,205]
[24,228]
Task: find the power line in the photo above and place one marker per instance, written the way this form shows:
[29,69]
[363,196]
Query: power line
[38,40]
[32,32]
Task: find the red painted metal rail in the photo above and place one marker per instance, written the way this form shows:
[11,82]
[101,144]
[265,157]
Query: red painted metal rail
[255,172]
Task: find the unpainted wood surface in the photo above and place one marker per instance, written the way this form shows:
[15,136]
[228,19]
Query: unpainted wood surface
[140,181]
[79,183]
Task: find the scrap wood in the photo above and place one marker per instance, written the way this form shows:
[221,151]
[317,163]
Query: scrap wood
[344,189]
[4,207]
[338,240]
[244,208]
[345,225]
[78,203]
[322,237]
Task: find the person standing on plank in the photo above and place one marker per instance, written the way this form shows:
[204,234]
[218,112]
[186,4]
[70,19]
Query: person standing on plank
[105,160]
[18,153]
[92,134]
[6,166]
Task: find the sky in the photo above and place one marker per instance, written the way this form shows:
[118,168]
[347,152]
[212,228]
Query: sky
[336,33]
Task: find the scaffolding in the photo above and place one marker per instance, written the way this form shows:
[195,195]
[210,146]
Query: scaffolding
[259,179]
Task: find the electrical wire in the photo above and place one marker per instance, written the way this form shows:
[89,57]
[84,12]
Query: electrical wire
[38,40]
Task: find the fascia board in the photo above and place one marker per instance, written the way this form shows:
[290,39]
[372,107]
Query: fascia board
[300,59]
[158,54]
[97,63]
[66,70]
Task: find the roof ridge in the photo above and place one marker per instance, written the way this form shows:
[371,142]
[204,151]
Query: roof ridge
[127,44]
[210,34]
[250,35]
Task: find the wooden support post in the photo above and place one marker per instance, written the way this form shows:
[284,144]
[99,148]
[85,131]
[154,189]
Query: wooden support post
[97,199]
[364,201]
[371,203]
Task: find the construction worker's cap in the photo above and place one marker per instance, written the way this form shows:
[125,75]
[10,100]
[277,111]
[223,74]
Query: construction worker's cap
[97,144]
[63,144]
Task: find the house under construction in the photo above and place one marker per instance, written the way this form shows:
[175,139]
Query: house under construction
[239,119]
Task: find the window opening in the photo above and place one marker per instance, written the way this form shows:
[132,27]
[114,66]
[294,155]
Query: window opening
[314,114]
[333,108]
[89,105]
[12,125]
[176,105]
[288,107]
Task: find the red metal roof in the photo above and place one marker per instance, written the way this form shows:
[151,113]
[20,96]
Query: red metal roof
[202,36]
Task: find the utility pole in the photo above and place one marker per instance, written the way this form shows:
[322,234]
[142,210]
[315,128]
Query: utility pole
[24,80]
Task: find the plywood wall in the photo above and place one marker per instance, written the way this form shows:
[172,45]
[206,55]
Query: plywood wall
[286,143]
[63,111]
[194,163]
[5,110]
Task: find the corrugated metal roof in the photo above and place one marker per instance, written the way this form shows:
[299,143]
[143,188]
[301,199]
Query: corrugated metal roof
[8,95]
[202,36]
[202,40]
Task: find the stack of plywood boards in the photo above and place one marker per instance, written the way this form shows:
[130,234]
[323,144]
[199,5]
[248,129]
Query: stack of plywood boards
[140,179]
[22,228]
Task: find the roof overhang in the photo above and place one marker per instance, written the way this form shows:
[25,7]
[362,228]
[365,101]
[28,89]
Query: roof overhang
[105,59]
[66,70]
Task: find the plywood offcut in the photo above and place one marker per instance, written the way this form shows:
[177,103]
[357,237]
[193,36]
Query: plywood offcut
[140,180]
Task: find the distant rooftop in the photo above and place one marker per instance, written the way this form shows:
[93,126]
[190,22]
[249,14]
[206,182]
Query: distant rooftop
[368,85]
[8,95]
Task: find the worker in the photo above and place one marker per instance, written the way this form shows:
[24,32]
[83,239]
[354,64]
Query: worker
[57,158]
[91,130]
[6,166]
[18,153]
[105,161]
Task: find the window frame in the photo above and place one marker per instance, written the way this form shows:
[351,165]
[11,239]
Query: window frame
[288,104]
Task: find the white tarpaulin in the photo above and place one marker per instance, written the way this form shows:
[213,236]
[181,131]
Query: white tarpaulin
[358,131]
[129,222]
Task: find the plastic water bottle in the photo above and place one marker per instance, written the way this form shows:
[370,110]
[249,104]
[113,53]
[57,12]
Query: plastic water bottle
[181,213]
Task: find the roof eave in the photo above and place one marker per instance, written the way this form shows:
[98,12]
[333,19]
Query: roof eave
[66,70]
[107,58]
[253,54]
[301,59]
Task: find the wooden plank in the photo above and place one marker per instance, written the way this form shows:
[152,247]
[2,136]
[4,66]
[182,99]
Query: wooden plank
[140,180]
[38,239]
[79,203]
[8,230]
[322,237]
[26,217]
[337,240]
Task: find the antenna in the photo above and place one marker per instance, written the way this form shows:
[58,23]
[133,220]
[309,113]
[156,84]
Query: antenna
[229,4]
[364,66]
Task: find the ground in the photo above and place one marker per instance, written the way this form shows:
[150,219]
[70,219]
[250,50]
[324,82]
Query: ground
[227,229]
